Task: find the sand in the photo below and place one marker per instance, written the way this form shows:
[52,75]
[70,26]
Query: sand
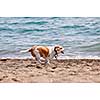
[62,71]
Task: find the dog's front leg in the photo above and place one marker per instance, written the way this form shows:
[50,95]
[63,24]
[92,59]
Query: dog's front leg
[56,57]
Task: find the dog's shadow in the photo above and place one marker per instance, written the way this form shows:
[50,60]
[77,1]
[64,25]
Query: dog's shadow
[51,66]
[34,66]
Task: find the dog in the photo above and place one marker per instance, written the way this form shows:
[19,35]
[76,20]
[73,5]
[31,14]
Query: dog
[46,52]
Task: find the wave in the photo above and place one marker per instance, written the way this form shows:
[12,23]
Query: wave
[37,23]
[29,30]
[27,23]
[73,26]
[91,48]
[6,29]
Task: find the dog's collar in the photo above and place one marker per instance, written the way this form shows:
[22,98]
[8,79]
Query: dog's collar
[55,51]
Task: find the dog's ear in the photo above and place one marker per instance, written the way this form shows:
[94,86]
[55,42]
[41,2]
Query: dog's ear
[56,48]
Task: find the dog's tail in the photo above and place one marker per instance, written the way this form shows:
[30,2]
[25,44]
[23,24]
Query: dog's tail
[24,51]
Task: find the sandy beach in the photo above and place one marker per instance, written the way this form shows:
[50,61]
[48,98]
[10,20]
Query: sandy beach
[62,71]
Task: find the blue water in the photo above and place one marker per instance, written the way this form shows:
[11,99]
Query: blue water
[80,36]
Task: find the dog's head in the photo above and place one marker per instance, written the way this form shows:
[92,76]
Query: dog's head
[59,49]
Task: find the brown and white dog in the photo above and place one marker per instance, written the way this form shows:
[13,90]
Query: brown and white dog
[46,52]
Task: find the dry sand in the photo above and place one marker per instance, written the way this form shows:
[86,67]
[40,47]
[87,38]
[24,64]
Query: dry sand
[62,71]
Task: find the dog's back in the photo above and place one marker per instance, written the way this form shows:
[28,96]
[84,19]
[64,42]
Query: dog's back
[43,51]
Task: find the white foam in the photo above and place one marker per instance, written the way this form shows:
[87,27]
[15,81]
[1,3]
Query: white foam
[79,57]
[60,57]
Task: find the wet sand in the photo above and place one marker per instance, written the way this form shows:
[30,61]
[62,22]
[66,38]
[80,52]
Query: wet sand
[62,71]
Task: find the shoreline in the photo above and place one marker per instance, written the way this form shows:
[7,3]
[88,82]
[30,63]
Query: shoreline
[60,58]
[61,71]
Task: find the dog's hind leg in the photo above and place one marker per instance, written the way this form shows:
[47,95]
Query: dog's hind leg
[47,61]
[37,57]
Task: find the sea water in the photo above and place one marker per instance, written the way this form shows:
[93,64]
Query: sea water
[80,36]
